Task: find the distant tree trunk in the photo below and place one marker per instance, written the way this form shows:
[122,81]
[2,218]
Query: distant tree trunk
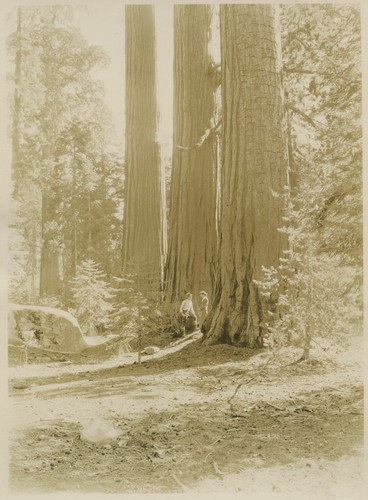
[24,190]
[254,166]
[144,239]
[292,171]
[33,258]
[192,220]
[17,105]
[51,274]
[89,251]
[74,208]
[51,270]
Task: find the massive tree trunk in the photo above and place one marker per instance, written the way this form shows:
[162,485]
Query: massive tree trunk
[192,228]
[144,239]
[254,169]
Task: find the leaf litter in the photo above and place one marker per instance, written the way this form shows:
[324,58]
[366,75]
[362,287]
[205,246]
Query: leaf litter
[218,424]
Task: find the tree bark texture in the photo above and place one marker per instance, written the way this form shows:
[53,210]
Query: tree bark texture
[51,265]
[51,269]
[192,220]
[144,237]
[51,276]
[254,166]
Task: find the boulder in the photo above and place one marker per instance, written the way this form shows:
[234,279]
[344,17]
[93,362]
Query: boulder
[99,431]
[151,350]
[45,328]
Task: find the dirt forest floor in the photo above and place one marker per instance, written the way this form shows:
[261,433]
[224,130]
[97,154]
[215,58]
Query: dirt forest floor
[198,420]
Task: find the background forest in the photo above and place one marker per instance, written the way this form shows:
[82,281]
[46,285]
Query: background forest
[259,204]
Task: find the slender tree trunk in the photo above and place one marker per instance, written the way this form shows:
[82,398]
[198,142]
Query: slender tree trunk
[292,171]
[144,238]
[192,222]
[24,189]
[89,253]
[308,326]
[74,208]
[254,166]
[17,105]
[50,272]
[33,262]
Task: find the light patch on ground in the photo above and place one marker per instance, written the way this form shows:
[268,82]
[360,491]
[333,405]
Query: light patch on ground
[342,478]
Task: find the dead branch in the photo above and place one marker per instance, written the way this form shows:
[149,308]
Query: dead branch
[184,488]
[236,391]
[350,286]
[297,361]
[319,345]
[292,399]
[207,133]
[301,113]
[212,451]
[294,34]
[299,70]
[218,472]
[274,406]
[303,43]
[208,454]
[240,384]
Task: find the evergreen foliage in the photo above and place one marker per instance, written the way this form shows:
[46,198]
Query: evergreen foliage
[322,54]
[66,170]
[92,296]
[315,292]
[308,295]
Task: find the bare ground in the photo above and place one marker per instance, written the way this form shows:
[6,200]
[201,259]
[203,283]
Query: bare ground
[202,419]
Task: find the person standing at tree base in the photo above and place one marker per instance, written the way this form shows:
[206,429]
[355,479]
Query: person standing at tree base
[188,316]
[203,307]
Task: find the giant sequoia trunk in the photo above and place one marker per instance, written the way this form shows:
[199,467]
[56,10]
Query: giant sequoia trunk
[144,236]
[192,235]
[254,167]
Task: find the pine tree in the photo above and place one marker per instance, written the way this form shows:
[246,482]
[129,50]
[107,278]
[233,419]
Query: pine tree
[67,190]
[322,54]
[93,297]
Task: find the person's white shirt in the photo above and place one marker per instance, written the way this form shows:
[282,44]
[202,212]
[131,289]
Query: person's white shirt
[187,307]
